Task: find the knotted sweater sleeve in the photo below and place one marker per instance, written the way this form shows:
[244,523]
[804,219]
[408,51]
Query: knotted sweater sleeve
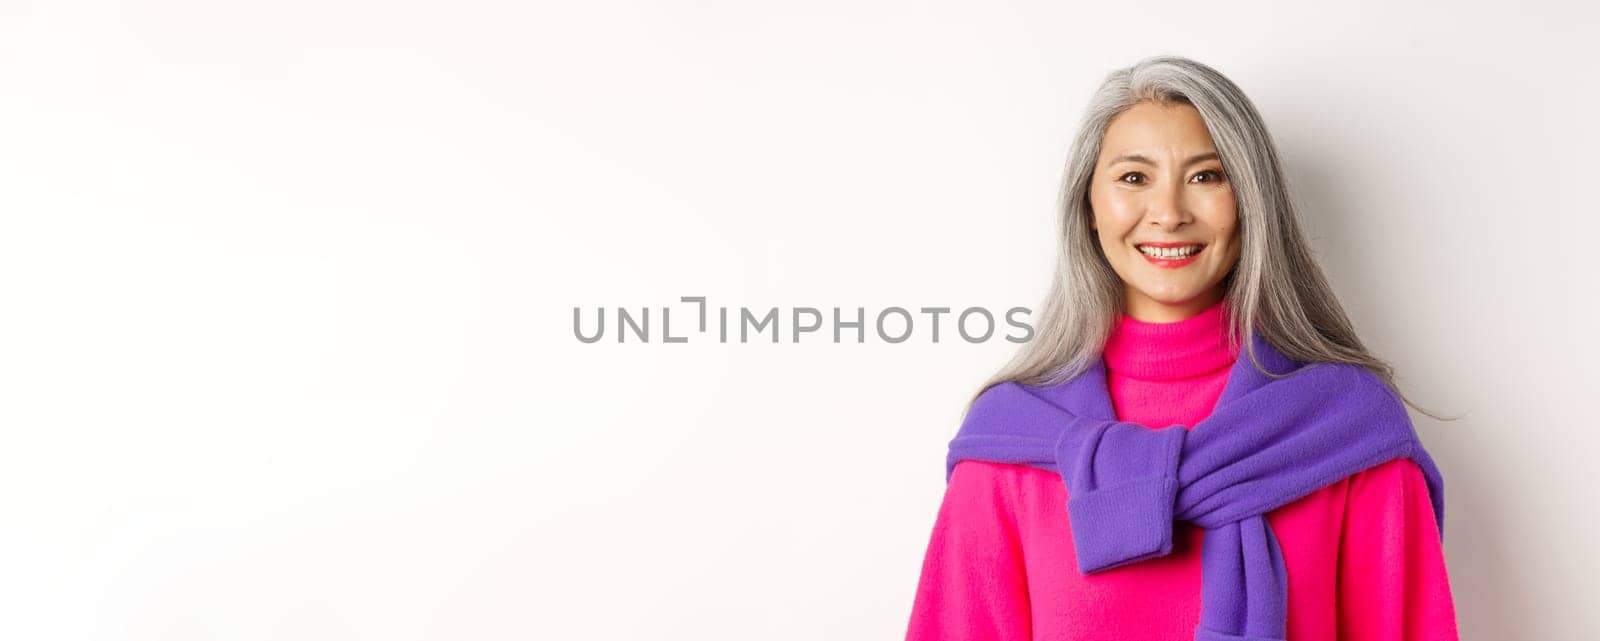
[1393,585]
[973,584]
[1122,478]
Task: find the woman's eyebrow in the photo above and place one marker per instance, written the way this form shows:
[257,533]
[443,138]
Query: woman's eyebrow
[1137,157]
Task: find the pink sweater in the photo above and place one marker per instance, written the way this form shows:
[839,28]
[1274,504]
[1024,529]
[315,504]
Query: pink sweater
[1363,554]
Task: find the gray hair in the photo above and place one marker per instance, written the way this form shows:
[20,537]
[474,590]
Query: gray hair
[1276,290]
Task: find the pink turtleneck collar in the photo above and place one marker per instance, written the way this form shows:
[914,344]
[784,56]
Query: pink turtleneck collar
[1194,346]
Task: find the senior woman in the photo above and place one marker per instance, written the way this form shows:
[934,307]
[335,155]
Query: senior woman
[1196,444]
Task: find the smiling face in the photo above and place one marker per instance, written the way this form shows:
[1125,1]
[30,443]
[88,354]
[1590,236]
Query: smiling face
[1159,188]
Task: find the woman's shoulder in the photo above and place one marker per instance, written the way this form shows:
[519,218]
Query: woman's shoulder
[1366,492]
[1348,373]
[1391,483]
[1012,483]
[1386,477]
[979,468]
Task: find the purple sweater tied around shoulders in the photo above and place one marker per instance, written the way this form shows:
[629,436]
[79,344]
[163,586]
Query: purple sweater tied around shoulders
[1268,442]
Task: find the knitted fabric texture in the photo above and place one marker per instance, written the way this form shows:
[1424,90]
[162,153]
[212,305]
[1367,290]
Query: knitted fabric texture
[1268,442]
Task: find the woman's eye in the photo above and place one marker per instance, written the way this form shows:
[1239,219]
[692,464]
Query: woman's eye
[1214,176]
[1136,174]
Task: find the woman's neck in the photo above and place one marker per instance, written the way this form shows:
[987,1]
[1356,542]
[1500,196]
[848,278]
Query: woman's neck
[1194,346]
[1141,307]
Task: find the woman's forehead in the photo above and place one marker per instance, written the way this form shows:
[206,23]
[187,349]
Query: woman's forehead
[1148,132]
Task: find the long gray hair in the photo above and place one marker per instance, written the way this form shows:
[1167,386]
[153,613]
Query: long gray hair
[1276,290]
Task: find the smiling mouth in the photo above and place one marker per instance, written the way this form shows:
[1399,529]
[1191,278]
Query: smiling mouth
[1171,253]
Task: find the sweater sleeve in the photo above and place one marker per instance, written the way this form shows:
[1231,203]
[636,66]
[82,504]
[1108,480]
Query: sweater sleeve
[973,585]
[1393,585]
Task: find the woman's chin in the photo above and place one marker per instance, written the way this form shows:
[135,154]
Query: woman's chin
[1174,297]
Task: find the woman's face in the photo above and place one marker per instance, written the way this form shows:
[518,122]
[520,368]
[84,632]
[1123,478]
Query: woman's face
[1158,181]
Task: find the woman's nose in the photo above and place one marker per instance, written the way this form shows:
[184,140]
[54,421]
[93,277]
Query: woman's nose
[1167,210]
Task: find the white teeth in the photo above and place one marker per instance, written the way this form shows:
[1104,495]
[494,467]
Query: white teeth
[1170,252]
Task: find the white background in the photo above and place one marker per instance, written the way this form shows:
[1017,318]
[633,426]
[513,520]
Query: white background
[287,346]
